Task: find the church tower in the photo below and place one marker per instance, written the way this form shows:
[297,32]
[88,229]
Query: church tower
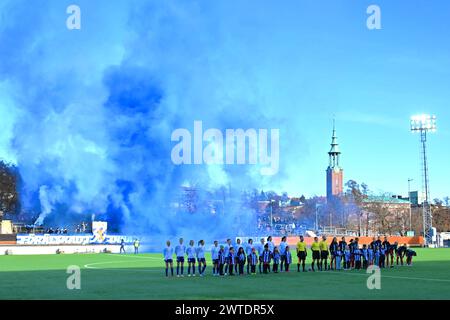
[335,174]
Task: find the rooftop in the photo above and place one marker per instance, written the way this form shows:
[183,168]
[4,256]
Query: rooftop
[385,199]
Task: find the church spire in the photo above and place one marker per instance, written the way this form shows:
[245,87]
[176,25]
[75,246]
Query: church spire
[335,174]
[334,151]
[334,143]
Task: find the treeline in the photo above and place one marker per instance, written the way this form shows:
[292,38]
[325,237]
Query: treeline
[9,185]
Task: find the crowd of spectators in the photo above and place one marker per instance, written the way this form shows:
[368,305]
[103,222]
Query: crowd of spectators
[279,226]
[79,228]
[31,228]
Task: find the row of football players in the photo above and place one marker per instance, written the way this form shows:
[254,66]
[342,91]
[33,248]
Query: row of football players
[231,259]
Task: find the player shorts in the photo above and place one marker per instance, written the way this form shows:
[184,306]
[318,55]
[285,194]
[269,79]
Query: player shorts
[168,260]
[324,254]
[261,258]
[301,255]
[201,260]
[215,261]
[180,259]
[316,254]
[191,260]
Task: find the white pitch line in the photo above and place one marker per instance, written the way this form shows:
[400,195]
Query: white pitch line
[136,257]
[90,265]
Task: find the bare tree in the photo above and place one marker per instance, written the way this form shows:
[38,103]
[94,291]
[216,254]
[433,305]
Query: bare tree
[441,217]
[447,201]
[354,198]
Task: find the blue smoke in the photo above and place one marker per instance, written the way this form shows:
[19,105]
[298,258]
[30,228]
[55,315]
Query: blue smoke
[89,113]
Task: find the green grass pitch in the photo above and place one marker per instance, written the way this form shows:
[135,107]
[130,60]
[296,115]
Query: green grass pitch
[114,276]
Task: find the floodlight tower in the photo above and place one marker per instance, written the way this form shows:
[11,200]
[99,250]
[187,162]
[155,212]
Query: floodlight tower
[424,124]
[410,204]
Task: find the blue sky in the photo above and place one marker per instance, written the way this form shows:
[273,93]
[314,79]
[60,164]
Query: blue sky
[291,65]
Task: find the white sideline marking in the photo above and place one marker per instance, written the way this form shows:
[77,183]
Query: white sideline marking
[91,265]
[128,256]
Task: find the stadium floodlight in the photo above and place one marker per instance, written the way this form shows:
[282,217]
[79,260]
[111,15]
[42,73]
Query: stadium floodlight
[423,124]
